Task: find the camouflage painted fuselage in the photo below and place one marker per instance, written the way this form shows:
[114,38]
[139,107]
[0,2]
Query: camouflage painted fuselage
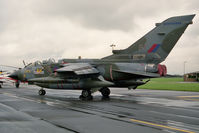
[112,74]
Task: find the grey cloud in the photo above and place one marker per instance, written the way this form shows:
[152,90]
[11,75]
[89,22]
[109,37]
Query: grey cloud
[193,4]
[104,15]
[12,11]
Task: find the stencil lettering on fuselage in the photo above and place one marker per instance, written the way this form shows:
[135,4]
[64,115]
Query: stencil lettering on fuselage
[38,71]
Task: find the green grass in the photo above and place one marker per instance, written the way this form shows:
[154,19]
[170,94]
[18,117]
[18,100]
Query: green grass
[176,84]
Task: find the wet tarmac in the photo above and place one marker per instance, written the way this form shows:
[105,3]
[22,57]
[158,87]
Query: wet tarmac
[135,111]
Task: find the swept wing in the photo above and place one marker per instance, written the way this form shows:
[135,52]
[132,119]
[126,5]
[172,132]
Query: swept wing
[78,69]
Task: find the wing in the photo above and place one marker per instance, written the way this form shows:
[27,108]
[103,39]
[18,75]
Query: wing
[78,69]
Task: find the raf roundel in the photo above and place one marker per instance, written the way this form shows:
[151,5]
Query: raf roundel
[154,48]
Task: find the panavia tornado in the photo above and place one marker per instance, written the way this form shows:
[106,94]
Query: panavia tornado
[124,68]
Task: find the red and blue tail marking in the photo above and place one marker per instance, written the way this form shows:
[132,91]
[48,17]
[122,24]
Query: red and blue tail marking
[154,48]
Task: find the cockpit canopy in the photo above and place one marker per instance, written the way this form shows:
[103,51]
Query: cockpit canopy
[49,61]
[39,63]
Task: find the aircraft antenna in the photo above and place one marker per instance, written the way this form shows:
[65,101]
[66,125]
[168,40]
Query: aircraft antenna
[112,45]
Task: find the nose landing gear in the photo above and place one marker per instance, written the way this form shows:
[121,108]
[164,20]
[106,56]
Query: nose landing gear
[17,83]
[42,92]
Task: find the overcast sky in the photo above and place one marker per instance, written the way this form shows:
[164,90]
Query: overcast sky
[33,30]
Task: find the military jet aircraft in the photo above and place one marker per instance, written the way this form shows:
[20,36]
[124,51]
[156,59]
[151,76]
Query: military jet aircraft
[124,68]
[5,79]
[4,72]
[1,81]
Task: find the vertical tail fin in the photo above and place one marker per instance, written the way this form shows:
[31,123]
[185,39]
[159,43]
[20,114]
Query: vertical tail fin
[155,46]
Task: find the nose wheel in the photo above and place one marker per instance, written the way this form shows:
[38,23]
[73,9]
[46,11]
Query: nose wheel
[42,92]
[17,84]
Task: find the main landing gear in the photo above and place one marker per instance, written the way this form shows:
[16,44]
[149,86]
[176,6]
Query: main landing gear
[42,92]
[86,95]
[105,91]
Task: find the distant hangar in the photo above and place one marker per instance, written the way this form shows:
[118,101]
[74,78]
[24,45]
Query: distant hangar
[191,77]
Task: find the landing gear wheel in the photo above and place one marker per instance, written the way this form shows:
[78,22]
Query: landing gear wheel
[17,84]
[86,95]
[81,97]
[42,92]
[135,87]
[0,86]
[105,91]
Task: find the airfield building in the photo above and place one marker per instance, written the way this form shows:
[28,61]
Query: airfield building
[191,77]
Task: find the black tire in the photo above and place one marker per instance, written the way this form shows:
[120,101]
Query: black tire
[135,87]
[0,86]
[81,97]
[42,92]
[86,95]
[105,91]
[17,85]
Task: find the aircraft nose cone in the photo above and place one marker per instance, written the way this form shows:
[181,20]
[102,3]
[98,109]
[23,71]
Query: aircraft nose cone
[14,75]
